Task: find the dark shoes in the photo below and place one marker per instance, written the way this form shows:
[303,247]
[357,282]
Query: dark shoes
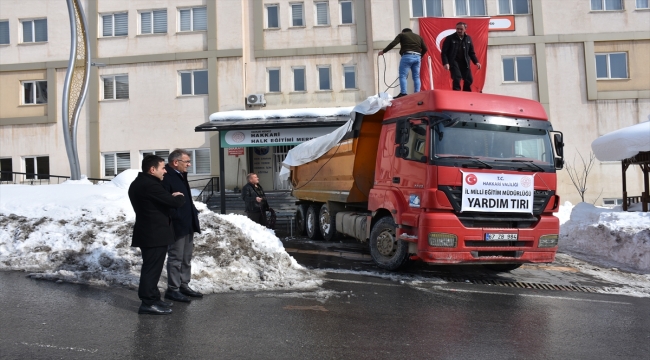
[399,95]
[191,293]
[176,296]
[154,309]
[163,303]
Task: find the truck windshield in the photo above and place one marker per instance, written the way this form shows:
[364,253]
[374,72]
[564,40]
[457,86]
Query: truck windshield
[493,143]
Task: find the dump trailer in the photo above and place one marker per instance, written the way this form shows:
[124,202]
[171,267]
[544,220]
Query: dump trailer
[444,177]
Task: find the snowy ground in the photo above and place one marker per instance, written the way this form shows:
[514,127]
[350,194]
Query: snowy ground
[80,232]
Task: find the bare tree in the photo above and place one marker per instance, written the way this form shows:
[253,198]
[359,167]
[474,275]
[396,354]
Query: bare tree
[579,176]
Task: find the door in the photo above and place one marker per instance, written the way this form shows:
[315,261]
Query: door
[279,155]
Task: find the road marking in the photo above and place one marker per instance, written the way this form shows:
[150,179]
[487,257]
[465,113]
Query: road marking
[315,307]
[531,295]
[61,347]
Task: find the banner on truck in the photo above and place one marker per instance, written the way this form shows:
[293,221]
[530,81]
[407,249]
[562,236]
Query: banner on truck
[497,192]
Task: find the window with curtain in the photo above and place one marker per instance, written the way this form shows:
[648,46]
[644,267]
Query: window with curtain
[347,14]
[642,4]
[349,77]
[324,79]
[116,87]
[507,7]
[518,69]
[611,65]
[272,16]
[4,32]
[153,22]
[299,79]
[322,13]
[199,162]
[115,24]
[274,80]
[162,153]
[116,162]
[34,92]
[606,5]
[470,7]
[193,19]
[426,8]
[297,17]
[34,30]
[194,82]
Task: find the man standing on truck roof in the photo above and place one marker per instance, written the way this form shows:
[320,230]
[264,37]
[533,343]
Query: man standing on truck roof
[412,49]
[457,51]
[255,199]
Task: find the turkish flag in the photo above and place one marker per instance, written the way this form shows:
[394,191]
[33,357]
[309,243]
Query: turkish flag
[434,31]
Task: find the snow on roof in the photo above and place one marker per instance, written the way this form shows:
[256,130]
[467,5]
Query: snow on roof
[282,113]
[623,143]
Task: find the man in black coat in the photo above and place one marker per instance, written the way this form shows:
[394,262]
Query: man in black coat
[255,199]
[186,222]
[152,231]
[457,51]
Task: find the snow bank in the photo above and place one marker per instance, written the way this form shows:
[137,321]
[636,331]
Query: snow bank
[284,113]
[623,143]
[81,233]
[608,237]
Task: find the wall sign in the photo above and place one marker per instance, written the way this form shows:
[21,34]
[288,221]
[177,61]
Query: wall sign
[502,23]
[236,151]
[271,137]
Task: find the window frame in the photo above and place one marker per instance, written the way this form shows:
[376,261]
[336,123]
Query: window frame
[36,172]
[327,5]
[192,27]
[469,14]
[603,3]
[609,68]
[517,81]
[268,79]
[329,75]
[33,40]
[512,8]
[636,5]
[351,10]
[291,5]
[192,84]
[8,32]
[425,12]
[356,80]
[153,152]
[22,87]
[192,167]
[293,73]
[153,25]
[277,14]
[113,76]
[112,15]
[114,153]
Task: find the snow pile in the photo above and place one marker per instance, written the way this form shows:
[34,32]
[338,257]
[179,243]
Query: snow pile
[623,143]
[81,233]
[276,114]
[608,237]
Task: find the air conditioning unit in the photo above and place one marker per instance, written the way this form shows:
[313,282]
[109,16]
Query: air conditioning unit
[255,99]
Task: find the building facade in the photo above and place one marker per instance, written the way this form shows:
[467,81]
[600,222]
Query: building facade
[165,65]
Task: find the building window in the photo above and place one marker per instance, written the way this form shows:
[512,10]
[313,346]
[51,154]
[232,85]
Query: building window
[34,30]
[507,7]
[297,15]
[115,163]
[422,8]
[153,22]
[606,5]
[162,153]
[115,24]
[612,202]
[322,13]
[324,79]
[299,79]
[274,80]
[470,7]
[194,82]
[4,32]
[199,162]
[642,4]
[349,77]
[35,92]
[37,167]
[611,66]
[194,19]
[272,16]
[518,69]
[6,169]
[347,14]
[116,87]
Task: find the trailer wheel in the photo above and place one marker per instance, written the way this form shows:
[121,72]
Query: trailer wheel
[502,267]
[386,250]
[301,218]
[311,222]
[327,221]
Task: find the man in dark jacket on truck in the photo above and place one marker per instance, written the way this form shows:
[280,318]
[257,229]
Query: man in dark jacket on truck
[457,51]
[255,199]
[152,231]
[412,49]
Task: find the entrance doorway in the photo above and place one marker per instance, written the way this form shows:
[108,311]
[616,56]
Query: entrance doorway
[279,154]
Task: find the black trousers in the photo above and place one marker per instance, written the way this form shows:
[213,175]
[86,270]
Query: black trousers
[153,259]
[258,217]
[461,71]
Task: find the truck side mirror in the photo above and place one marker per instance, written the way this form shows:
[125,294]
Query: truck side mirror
[558,145]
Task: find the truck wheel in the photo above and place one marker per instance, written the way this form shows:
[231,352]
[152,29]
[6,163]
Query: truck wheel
[327,221]
[311,222]
[386,250]
[502,267]
[301,218]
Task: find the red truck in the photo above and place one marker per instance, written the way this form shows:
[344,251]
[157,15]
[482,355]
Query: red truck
[444,177]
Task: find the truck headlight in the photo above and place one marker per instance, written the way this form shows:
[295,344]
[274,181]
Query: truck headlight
[546,241]
[442,240]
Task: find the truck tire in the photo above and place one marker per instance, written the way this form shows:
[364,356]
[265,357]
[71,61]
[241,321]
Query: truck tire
[327,221]
[502,267]
[311,222]
[386,250]
[300,218]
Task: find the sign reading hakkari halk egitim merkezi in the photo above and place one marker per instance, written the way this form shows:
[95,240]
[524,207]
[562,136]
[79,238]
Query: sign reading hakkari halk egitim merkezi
[271,137]
[497,192]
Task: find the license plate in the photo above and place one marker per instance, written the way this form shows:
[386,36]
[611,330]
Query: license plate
[497,237]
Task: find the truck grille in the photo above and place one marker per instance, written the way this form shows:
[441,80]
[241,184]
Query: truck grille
[498,220]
